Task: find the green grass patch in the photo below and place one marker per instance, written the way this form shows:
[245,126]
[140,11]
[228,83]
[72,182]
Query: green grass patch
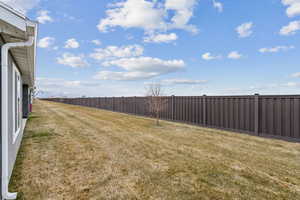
[32,117]
[40,134]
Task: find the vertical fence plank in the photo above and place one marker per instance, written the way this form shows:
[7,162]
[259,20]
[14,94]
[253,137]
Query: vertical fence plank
[296,121]
[270,116]
[256,114]
[236,113]
[221,112]
[192,117]
[173,107]
[185,106]
[204,110]
[263,116]
[287,117]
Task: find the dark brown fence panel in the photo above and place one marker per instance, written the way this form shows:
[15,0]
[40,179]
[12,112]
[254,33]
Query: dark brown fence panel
[277,116]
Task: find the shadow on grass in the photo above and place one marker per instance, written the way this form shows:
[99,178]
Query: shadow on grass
[38,134]
[35,136]
[32,117]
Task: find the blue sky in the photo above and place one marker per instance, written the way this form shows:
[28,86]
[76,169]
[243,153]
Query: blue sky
[193,47]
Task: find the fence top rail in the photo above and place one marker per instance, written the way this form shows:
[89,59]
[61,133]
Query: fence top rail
[280,96]
[130,97]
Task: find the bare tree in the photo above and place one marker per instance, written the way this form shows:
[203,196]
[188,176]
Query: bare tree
[36,92]
[156,103]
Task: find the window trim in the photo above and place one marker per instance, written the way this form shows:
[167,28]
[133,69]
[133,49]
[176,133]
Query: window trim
[17,132]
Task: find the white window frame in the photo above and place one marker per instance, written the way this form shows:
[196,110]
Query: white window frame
[19,91]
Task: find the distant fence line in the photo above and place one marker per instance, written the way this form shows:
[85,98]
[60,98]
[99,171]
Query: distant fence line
[273,116]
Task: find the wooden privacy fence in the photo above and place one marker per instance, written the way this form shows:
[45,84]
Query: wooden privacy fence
[271,116]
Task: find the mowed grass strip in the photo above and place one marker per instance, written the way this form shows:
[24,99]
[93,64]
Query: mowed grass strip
[73,152]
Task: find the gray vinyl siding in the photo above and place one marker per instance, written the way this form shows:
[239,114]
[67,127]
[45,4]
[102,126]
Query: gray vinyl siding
[13,147]
[1,43]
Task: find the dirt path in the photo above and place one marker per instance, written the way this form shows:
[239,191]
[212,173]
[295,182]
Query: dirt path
[79,153]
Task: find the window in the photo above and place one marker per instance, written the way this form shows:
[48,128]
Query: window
[17,102]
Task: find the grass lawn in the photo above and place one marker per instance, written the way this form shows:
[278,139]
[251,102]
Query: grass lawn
[77,153]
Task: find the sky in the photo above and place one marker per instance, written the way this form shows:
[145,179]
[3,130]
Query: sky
[192,47]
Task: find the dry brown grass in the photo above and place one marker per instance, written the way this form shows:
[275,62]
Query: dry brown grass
[72,152]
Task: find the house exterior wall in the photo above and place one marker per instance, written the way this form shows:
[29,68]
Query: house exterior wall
[14,142]
[1,43]
[13,145]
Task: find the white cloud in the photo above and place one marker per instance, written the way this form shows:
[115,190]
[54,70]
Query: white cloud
[293,7]
[96,42]
[291,84]
[276,86]
[72,60]
[55,82]
[263,89]
[275,49]
[218,5]
[234,55]
[290,29]
[133,14]
[184,82]
[111,52]
[245,30]
[161,38]
[123,76]
[147,64]
[134,66]
[149,15]
[46,83]
[183,13]
[43,17]
[139,68]
[296,75]
[72,83]
[80,88]
[22,5]
[72,44]
[46,42]
[48,86]
[209,56]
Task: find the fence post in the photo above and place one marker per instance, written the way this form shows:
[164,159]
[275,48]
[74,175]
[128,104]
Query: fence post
[113,103]
[173,107]
[256,114]
[122,103]
[204,109]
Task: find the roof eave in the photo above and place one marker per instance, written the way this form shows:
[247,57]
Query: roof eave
[18,25]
